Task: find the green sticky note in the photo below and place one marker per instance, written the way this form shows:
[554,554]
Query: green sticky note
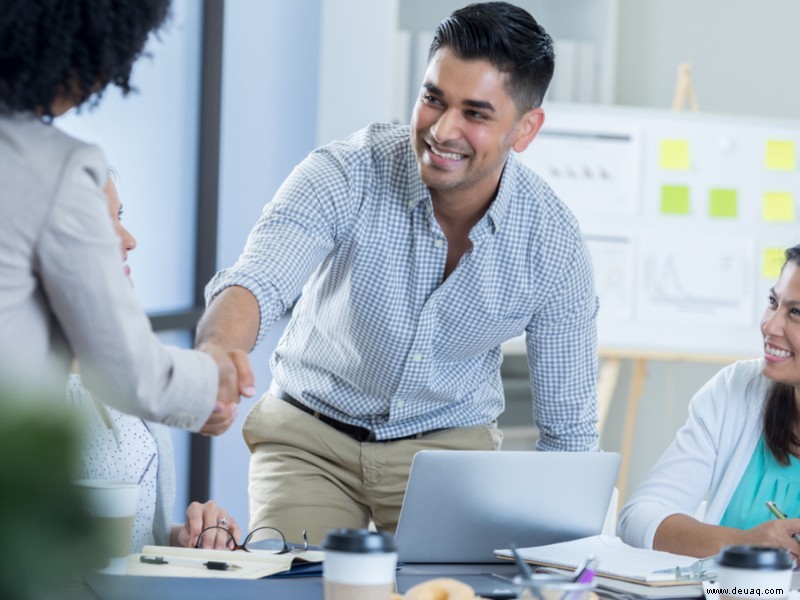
[674,155]
[674,200]
[772,262]
[723,203]
[780,156]
[778,207]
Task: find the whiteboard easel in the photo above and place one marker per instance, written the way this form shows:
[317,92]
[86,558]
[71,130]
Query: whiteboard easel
[684,91]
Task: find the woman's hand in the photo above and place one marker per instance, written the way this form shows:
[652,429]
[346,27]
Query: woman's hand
[776,533]
[681,534]
[201,516]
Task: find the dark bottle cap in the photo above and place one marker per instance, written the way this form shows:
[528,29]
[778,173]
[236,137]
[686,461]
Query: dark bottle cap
[358,540]
[755,557]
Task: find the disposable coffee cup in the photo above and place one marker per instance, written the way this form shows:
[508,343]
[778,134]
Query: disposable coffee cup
[754,572]
[359,565]
[112,505]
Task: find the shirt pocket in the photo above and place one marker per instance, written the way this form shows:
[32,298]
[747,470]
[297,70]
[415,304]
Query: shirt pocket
[475,330]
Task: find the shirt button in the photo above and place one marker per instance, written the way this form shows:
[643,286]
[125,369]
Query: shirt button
[438,243]
[416,357]
[400,403]
[411,204]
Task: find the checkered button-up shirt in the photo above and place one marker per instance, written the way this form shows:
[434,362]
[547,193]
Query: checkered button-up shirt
[377,339]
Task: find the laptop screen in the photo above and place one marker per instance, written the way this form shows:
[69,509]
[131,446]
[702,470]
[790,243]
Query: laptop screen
[460,506]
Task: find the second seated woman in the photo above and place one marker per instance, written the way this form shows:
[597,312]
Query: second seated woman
[123,447]
[739,449]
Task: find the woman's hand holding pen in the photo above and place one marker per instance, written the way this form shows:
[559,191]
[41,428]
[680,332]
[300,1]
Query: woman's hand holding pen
[775,533]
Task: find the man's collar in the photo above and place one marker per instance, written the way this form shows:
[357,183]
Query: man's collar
[419,192]
[505,191]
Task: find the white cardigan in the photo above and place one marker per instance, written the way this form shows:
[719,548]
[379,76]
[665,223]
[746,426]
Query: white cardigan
[707,458]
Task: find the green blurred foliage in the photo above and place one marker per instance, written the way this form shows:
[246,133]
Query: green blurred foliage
[48,539]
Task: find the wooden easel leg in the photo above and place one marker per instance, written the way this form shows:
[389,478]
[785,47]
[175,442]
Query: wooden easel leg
[607,379]
[637,389]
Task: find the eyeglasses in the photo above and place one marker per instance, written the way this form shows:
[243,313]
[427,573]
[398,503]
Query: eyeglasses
[262,538]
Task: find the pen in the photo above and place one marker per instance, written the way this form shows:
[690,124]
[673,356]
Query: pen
[213,565]
[779,514]
[522,565]
[587,573]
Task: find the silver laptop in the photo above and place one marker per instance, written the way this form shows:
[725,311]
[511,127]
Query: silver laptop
[462,505]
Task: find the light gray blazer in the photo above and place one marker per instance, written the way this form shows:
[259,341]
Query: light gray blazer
[63,292]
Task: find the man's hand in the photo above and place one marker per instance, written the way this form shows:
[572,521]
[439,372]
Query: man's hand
[235,374]
[199,517]
[235,380]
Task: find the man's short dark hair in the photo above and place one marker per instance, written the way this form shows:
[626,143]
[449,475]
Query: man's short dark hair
[510,39]
[53,47]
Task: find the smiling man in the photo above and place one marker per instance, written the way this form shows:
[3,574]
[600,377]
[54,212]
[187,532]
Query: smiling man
[418,252]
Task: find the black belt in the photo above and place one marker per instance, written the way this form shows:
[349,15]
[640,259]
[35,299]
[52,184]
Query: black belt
[359,434]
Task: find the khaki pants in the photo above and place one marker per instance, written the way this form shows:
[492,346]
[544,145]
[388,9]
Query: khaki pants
[306,475]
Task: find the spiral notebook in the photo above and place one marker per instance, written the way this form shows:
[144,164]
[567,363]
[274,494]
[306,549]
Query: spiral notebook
[615,560]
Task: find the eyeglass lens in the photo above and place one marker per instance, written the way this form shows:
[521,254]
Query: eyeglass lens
[265,538]
[262,538]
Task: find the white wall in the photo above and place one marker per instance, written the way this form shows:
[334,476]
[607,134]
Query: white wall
[150,137]
[742,54]
[355,59]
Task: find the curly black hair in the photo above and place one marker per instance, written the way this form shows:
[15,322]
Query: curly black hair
[53,48]
[509,38]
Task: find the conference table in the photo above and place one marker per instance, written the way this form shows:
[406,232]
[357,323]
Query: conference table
[130,587]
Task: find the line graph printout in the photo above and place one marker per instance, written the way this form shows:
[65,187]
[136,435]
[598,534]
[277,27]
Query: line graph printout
[703,280]
[613,262]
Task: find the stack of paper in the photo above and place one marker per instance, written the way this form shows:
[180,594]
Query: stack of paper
[190,562]
[615,560]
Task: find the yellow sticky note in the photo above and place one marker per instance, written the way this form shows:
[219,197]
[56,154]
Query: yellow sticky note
[771,262]
[780,156]
[778,207]
[674,200]
[723,203]
[674,155]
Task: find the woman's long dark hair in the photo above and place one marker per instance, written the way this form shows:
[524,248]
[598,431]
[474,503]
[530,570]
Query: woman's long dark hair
[780,408]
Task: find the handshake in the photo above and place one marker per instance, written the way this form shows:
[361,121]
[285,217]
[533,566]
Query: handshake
[235,380]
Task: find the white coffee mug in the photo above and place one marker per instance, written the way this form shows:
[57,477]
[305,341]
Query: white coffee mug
[359,565]
[112,504]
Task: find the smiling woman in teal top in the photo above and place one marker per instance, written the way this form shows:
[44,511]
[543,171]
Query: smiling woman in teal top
[738,449]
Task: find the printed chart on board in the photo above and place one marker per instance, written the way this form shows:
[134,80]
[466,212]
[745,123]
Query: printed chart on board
[686,217]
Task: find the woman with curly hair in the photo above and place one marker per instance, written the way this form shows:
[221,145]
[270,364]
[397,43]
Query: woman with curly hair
[62,293]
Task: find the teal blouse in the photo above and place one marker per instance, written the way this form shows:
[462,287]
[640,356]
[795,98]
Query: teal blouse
[764,479]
